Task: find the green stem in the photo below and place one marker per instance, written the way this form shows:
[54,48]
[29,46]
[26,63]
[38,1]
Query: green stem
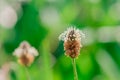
[27,74]
[74,69]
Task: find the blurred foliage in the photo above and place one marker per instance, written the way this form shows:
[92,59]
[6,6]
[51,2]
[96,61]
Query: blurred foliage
[41,22]
[27,28]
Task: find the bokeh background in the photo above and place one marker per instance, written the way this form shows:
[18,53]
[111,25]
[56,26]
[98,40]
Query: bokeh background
[40,22]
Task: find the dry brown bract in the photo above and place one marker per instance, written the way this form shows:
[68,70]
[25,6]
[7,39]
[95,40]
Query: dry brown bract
[72,41]
[25,53]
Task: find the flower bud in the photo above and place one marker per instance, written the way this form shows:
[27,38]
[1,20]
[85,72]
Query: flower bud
[72,41]
[25,53]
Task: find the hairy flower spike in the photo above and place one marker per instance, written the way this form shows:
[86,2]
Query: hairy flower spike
[25,53]
[72,41]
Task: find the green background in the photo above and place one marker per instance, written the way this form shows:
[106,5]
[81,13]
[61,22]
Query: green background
[40,22]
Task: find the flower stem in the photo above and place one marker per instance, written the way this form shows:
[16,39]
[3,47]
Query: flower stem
[74,69]
[27,74]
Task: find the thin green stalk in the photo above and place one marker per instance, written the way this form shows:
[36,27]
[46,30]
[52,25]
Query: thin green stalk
[27,74]
[74,69]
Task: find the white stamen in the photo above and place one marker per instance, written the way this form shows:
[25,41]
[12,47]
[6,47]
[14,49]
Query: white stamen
[77,34]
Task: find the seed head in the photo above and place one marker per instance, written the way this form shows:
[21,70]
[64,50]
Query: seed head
[72,41]
[25,53]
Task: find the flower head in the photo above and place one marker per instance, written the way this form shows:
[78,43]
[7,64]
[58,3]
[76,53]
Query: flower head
[72,41]
[25,53]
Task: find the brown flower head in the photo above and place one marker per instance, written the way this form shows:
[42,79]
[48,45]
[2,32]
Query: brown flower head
[25,53]
[72,41]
